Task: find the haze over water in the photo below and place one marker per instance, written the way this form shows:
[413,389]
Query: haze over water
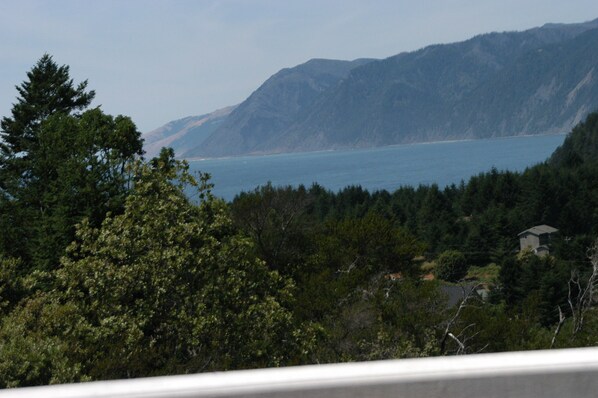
[388,168]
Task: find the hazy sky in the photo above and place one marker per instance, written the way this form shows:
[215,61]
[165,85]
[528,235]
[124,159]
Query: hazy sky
[157,61]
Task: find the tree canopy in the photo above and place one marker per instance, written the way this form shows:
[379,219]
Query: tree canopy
[165,287]
[48,90]
[58,165]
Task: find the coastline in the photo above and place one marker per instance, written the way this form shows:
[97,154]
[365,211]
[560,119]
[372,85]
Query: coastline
[364,148]
[379,168]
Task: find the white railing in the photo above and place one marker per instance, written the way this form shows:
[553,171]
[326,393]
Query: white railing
[531,374]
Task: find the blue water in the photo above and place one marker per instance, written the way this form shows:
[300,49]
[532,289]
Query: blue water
[387,168]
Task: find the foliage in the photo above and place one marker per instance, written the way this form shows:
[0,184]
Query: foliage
[32,351]
[80,171]
[11,284]
[58,165]
[451,266]
[540,283]
[164,287]
[347,255]
[581,144]
[168,276]
[274,219]
[48,90]
[388,319]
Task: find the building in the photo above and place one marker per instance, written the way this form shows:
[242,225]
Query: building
[537,239]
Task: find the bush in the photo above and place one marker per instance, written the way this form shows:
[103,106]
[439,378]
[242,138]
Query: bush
[451,266]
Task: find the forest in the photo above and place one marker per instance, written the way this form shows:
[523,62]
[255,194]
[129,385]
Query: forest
[110,268]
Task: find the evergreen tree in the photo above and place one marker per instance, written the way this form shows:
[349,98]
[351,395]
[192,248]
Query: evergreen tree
[48,90]
[80,170]
[58,165]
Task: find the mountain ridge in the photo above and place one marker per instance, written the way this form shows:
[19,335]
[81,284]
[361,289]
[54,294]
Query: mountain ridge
[275,105]
[541,80]
[184,134]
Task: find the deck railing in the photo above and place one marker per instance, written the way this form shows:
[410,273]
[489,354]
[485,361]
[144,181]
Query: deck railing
[530,374]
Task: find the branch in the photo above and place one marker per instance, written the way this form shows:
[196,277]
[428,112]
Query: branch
[453,320]
[349,268]
[584,298]
[461,346]
[558,328]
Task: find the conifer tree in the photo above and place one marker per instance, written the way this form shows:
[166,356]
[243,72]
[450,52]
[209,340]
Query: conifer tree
[58,164]
[48,90]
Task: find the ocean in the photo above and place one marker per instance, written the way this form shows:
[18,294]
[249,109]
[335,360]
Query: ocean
[388,168]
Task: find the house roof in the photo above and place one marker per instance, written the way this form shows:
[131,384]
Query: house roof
[457,293]
[539,230]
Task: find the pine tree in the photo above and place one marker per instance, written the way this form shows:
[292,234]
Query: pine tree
[48,90]
[58,164]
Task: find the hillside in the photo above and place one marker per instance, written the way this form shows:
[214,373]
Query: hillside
[548,90]
[542,80]
[580,146]
[274,107]
[184,134]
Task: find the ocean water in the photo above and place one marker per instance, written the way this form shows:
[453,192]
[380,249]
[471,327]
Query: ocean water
[388,168]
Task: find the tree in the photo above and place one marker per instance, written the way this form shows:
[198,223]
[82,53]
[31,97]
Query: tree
[11,285]
[32,351]
[170,287]
[274,218]
[581,295]
[451,266]
[58,165]
[434,218]
[80,170]
[49,90]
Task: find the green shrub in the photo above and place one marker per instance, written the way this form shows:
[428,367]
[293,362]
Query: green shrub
[451,266]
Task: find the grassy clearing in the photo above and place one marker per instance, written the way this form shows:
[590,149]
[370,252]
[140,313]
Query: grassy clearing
[486,274]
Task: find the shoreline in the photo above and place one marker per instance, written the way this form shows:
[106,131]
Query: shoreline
[340,150]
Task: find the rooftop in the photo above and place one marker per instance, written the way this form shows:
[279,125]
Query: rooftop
[539,230]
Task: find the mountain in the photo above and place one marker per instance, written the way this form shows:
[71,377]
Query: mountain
[548,90]
[496,84]
[274,107]
[542,80]
[184,134]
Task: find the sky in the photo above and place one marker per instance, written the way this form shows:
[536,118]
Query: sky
[158,61]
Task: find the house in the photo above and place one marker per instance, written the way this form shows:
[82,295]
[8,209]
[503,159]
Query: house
[537,239]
